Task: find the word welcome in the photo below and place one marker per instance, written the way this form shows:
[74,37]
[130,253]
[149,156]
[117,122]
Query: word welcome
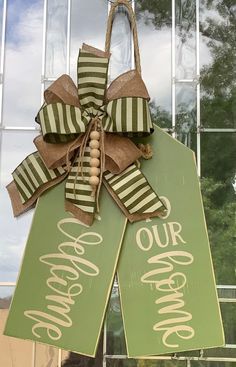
[65,268]
[166,279]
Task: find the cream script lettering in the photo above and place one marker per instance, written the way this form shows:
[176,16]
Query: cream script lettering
[166,280]
[65,267]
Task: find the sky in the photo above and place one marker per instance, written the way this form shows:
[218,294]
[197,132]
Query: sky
[22,85]
[21,99]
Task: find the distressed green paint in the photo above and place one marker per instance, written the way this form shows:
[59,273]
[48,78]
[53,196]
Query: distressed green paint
[85,311]
[144,299]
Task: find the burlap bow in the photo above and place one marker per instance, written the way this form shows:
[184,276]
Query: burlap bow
[65,118]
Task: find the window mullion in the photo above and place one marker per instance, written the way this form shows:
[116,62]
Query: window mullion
[198,91]
[173,71]
[68,36]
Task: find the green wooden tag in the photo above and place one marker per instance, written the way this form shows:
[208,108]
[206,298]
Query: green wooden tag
[168,293]
[66,275]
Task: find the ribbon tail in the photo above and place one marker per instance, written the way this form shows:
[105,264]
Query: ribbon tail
[79,198]
[133,194]
[31,179]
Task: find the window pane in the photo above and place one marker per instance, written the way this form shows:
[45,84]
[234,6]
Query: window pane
[70,359]
[23,61]
[46,356]
[218,188]
[154,30]
[47,84]
[56,38]
[115,331]
[228,311]
[14,231]
[121,44]
[16,352]
[229,293]
[144,363]
[1,22]
[185,13]
[218,71]
[12,351]
[86,27]
[211,364]
[5,297]
[221,352]
[186,115]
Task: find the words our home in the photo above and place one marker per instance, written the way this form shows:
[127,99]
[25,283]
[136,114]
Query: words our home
[69,267]
[168,282]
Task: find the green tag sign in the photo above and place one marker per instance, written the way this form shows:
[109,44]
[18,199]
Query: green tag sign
[168,293]
[66,276]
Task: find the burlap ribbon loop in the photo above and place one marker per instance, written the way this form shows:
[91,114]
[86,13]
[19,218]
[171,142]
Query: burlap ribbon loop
[65,119]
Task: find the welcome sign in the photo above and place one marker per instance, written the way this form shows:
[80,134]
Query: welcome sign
[167,287]
[168,294]
[66,276]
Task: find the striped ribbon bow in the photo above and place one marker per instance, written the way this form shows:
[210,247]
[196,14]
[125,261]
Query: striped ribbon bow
[66,115]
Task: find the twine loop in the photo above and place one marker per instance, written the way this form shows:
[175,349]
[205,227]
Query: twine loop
[133,24]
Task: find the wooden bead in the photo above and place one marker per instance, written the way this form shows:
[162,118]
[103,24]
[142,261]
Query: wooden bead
[94,162]
[94,135]
[94,171]
[94,144]
[94,180]
[94,153]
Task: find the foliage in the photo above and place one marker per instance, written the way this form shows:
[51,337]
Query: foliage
[219,78]
[221,218]
[156,12]
[160,116]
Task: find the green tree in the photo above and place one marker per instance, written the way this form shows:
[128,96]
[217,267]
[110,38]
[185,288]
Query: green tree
[221,220]
[218,79]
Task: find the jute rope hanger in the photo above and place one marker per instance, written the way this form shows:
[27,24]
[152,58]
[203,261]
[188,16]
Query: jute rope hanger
[132,19]
[95,123]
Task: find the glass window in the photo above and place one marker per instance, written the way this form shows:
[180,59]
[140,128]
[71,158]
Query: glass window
[203,363]
[154,32]
[121,44]
[12,351]
[218,71]
[5,298]
[86,27]
[185,13]
[15,147]
[1,22]
[46,355]
[115,331]
[23,62]
[229,317]
[218,162]
[56,37]
[16,352]
[186,119]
